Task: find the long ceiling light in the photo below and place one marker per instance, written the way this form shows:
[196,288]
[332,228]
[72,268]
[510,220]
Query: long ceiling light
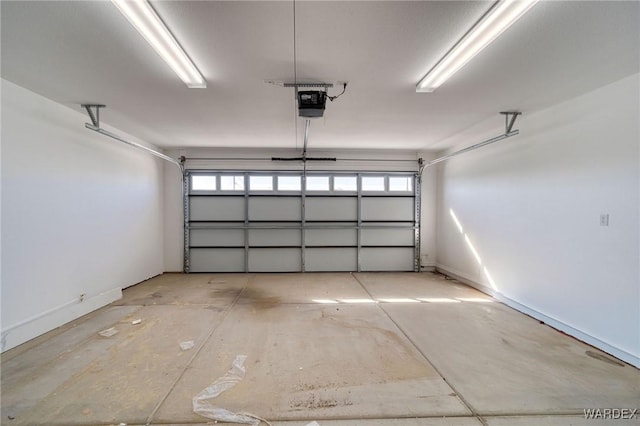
[150,26]
[488,28]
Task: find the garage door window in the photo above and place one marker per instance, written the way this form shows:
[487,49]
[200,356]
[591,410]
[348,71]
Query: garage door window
[373,183]
[261,183]
[232,183]
[345,183]
[400,184]
[289,183]
[317,183]
[203,183]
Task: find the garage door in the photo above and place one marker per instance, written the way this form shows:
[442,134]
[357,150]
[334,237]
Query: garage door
[290,222]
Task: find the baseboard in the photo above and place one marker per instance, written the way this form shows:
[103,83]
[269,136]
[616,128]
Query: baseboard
[36,325]
[558,325]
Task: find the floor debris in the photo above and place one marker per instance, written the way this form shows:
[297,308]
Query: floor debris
[136,321]
[203,407]
[185,346]
[108,332]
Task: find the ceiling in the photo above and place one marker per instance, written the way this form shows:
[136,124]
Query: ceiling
[77,52]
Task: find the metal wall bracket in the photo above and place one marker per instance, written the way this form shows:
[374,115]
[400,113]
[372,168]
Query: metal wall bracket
[421,165]
[509,119]
[95,126]
[95,117]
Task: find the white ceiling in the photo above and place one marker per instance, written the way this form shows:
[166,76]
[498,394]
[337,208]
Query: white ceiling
[75,52]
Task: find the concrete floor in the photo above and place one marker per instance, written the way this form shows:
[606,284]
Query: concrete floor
[399,349]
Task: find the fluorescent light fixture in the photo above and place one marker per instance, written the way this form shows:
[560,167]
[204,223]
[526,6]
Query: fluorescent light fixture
[142,16]
[488,28]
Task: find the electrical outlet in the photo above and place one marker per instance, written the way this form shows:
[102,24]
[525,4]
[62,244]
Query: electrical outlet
[604,219]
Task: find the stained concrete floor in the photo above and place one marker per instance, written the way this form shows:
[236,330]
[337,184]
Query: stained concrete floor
[399,349]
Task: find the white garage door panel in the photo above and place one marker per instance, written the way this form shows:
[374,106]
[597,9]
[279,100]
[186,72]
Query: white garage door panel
[216,237]
[216,208]
[387,237]
[331,208]
[275,208]
[275,237]
[388,208]
[217,259]
[331,259]
[275,260]
[386,259]
[291,227]
[331,237]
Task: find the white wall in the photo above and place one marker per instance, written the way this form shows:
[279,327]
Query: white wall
[232,159]
[81,214]
[531,206]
